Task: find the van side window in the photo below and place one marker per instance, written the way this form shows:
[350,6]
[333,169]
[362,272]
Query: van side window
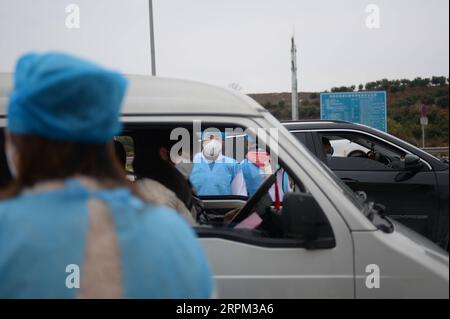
[273,209]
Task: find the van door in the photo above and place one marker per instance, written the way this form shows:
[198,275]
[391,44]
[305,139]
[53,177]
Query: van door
[252,263]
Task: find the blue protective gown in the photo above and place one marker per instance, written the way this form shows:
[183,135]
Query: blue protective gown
[254,177]
[213,178]
[43,232]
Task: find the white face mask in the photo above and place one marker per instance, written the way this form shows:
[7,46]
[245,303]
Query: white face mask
[212,149]
[10,153]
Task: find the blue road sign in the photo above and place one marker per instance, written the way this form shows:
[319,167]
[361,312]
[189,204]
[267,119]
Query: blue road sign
[368,108]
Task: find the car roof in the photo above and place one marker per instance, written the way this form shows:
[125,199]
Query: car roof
[311,125]
[149,95]
[321,124]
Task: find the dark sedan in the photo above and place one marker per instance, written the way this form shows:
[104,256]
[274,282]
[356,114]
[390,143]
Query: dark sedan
[412,184]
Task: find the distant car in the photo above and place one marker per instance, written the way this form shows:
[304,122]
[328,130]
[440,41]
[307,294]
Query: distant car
[346,148]
[323,243]
[412,184]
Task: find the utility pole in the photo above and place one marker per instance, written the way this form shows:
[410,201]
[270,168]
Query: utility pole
[423,136]
[294,103]
[423,122]
[152,37]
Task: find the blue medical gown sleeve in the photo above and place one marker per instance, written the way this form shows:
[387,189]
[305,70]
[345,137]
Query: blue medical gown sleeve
[252,175]
[286,186]
[39,237]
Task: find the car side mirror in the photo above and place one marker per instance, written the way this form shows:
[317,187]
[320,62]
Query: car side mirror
[413,163]
[303,219]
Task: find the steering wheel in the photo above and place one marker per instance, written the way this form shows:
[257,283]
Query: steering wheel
[357,153]
[385,160]
[372,155]
[249,206]
[376,156]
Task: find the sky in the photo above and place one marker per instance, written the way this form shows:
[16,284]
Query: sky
[239,41]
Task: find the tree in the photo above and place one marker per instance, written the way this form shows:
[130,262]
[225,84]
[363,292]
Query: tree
[427,100]
[395,86]
[442,102]
[344,89]
[419,82]
[385,84]
[371,86]
[405,83]
[438,80]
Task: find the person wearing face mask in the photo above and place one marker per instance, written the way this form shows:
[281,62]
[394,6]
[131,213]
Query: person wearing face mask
[214,174]
[71,224]
[256,168]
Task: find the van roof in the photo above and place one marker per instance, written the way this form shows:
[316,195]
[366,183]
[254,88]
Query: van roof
[158,96]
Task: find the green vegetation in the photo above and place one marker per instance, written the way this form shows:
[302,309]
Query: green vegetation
[396,85]
[405,97]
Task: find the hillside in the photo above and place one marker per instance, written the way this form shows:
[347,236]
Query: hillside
[403,102]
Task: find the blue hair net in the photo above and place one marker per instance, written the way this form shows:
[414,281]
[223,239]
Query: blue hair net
[62,97]
[204,134]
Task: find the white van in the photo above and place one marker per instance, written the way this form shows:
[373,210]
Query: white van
[324,243]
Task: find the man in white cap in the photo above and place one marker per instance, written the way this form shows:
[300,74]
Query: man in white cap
[214,174]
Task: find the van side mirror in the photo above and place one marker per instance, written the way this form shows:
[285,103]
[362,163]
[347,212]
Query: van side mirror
[303,219]
[413,163]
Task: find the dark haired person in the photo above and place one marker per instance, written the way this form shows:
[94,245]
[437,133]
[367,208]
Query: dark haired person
[5,175]
[71,224]
[327,148]
[159,180]
[120,152]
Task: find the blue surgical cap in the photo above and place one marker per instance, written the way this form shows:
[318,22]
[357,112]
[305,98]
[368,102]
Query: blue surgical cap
[204,134]
[62,97]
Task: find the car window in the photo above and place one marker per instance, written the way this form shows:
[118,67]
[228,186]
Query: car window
[301,136]
[306,139]
[269,204]
[353,151]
